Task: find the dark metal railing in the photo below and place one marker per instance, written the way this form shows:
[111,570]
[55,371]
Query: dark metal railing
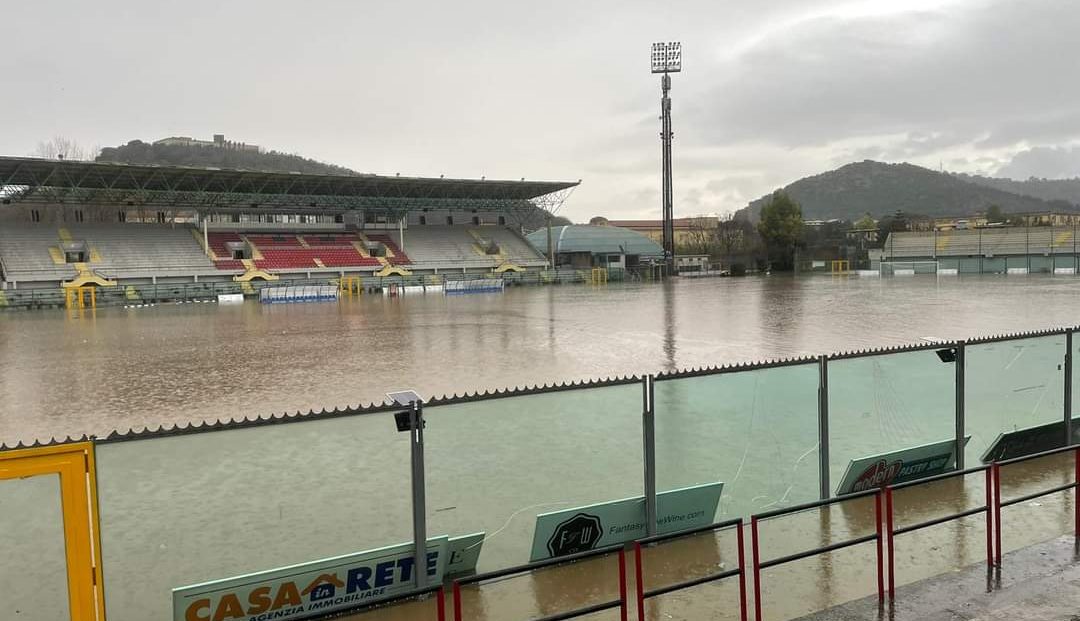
[760,565]
[619,603]
[740,571]
[415,594]
[999,503]
[891,531]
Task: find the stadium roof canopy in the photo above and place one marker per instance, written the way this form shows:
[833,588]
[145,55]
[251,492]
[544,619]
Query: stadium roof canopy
[596,240]
[35,180]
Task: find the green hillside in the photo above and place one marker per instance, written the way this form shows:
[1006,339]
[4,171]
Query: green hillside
[1063,190]
[139,152]
[879,189]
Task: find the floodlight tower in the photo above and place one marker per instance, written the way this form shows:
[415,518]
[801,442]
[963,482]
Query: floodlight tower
[667,58]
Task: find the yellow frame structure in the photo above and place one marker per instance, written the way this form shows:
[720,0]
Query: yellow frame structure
[840,266]
[74,463]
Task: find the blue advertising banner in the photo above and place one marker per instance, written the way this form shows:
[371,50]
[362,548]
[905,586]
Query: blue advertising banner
[595,526]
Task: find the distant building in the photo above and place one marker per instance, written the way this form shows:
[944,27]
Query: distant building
[580,246]
[686,229]
[218,142]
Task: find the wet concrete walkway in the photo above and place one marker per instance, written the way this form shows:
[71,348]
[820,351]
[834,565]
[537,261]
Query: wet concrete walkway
[1038,583]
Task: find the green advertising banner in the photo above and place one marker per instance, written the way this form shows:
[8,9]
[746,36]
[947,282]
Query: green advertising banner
[595,526]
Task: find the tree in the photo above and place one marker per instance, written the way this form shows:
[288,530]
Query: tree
[699,238]
[61,147]
[781,228]
[865,223]
[994,214]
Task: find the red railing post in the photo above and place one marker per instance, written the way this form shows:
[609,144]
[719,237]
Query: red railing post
[989,517]
[880,558]
[889,539]
[997,513]
[742,573]
[1076,493]
[457,601]
[622,585]
[639,582]
[757,567]
[440,601]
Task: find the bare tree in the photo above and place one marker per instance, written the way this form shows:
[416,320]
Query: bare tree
[700,236]
[64,148]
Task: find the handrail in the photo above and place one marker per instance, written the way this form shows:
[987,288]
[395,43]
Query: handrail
[619,603]
[939,477]
[891,531]
[877,536]
[437,589]
[814,504]
[998,503]
[1054,451]
[740,571]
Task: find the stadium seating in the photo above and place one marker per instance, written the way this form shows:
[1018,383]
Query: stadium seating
[32,252]
[132,250]
[992,242]
[399,258]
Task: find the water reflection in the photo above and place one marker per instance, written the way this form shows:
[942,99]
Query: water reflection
[203,362]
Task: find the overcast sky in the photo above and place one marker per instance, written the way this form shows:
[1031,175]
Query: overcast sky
[772,90]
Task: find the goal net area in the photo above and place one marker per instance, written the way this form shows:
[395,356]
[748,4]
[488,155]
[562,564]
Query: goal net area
[907,268]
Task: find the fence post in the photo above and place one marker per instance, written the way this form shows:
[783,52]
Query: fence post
[757,567]
[639,582]
[880,556]
[997,513]
[648,428]
[457,601]
[989,518]
[823,427]
[1068,386]
[419,507]
[622,585]
[742,572]
[960,364]
[889,539]
[1076,492]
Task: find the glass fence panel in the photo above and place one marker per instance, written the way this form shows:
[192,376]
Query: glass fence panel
[1074,407]
[881,404]
[33,565]
[755,431]
[494,465]
[1012,385]
[187,509]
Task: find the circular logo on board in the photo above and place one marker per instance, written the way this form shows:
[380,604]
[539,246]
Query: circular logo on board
[577,534]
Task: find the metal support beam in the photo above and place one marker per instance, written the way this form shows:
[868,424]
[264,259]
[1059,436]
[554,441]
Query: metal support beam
[823,427]
[665,141]
[960,425]
[419,503]
[648,427]
[1068,386]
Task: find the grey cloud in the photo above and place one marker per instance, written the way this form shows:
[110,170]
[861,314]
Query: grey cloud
[963,72]
[1049,162]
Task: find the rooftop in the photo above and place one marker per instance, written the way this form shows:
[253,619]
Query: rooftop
[24,179]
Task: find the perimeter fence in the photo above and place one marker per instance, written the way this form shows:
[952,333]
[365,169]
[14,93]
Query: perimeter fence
[514,478]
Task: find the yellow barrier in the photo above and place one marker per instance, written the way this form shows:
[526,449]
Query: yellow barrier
[74,463]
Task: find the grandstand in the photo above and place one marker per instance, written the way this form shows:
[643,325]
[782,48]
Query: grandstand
[65,224]
[988,250]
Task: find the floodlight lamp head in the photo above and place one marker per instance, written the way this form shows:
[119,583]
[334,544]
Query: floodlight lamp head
[667,57]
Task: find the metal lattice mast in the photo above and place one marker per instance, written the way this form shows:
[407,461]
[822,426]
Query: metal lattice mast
[667,59]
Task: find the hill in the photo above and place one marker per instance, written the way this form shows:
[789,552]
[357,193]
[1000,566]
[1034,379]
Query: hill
[1065,190]
[880,189]
[139,152]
